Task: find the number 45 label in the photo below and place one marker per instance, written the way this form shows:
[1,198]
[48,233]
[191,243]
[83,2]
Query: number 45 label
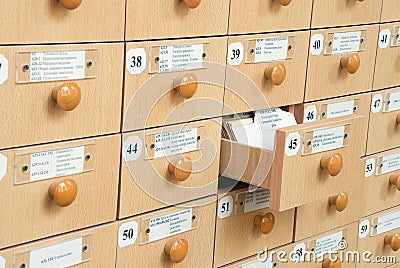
[132,148]
[292,144]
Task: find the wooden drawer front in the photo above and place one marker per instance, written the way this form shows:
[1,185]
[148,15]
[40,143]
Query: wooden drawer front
[380,193]
[146,183]
[49,22]
[193,222]
[151,98]
[384,123]
[294,167]
[27,105]
[147,19]
[342,12]
[326,109]
[389,11]
[372,232]
[250,73]
[239,226]
[325,76]
[387,68]
[28,173]
[270,15]
[342,208]
[78,249]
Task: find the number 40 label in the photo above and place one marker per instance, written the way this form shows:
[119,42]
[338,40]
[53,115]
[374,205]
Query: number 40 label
[316,44]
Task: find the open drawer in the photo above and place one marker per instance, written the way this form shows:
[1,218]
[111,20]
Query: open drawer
[318,156]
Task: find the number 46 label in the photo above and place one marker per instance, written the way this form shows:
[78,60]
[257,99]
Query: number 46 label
[132,148]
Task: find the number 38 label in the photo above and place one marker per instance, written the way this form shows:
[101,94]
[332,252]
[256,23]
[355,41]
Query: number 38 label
[136,60]
[292,144]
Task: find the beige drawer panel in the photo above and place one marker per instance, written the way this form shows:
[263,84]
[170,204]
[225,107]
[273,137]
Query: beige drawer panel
[85,248]
[389,11]
[326,109]
[147,19]
[192,223]
[147,183]
[340,13]
[270,15]
[93,164]
[380,193]
[387,68]
[246,83]
[276,230]
[294,167]
[27,105]
[49,22]
[373,230]
[384,123]
[325,76]
[161,101]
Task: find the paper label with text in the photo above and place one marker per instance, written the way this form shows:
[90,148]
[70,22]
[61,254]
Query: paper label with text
[388,222]
[3,69]
[57,65]
[170,224]
[329,243]
[347,42]
[174,58]
[274,118]
[65,254]
[390,163]
[340,109]
[175,142]
[327,139]
[57,163]
[271,49]
[256,200]
[393,102]
[2,262]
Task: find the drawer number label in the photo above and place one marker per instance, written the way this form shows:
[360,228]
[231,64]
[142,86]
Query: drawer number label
[3,69]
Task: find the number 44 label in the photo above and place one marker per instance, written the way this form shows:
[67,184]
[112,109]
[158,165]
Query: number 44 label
[132,148]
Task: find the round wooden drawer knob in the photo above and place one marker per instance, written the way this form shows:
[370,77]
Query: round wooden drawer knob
[192,3]
[265,223]
[393,241]
[285,2]
[398,119]
[64,192]
[70,4]
[186,86]
[333,164]
[395,180]
[340,201]
[351,63]
[176,250]
[330,264]
[67,96]
[277,73]
[181,169]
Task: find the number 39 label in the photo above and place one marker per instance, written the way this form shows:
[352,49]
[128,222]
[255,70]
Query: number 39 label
[127,234]
[292,144]
[235,53]
[136,60]
[225,207]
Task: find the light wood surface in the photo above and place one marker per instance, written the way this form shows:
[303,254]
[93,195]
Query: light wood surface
[159,103]
[384,131]
[389,11]
[379,194]
[93,116]
[49,22]
[290,177]
[200,240]
[387,66]
[340,13]
[238,98]
[241,228]
[268,16]
[156,184]
[375,244]
[102,254]
[29,213]
[325,78]
[167,19]
[362,104]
